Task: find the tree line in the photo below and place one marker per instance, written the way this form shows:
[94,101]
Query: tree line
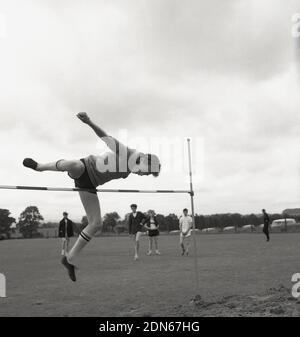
[30,220]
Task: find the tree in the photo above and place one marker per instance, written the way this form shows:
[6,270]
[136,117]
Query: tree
[29,221]
[5,222]
[162,223]
[121,227]
[110,221]
[236,220]
[252,219]
[172,222]
[200,221]
[50,224]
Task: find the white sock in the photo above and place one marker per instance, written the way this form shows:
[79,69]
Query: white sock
[81,242]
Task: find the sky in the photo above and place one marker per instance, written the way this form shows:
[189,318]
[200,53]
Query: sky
[152,73]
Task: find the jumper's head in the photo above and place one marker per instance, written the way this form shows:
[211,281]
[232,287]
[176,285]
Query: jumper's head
[147,164]
[65,215]
[185,212]
[264,211]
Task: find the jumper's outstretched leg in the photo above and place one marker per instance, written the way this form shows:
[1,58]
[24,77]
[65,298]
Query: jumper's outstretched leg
[74,167]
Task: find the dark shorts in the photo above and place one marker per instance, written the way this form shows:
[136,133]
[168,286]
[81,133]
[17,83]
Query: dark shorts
[153,232]
[84,180]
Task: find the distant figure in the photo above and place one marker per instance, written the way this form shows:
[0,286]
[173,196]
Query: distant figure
[65,232]
[266,224]
[185,226]
[152,227]
[135,228]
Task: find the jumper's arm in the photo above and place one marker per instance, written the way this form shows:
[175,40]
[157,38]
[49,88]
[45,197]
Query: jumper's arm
[110,141]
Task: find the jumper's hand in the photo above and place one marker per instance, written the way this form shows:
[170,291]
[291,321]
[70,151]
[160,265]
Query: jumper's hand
[83,116]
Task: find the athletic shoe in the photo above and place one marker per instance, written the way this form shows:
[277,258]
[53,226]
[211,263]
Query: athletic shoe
[30,163]
[70,267]
[157,252]
[136,257]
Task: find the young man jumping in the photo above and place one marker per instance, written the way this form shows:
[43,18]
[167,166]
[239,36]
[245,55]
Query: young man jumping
[92,171]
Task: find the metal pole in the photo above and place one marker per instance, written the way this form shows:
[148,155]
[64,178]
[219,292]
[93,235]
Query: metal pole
[193,216]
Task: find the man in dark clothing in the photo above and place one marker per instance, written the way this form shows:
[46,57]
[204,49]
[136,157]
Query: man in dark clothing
[266,224]
[65,232]
[136,224]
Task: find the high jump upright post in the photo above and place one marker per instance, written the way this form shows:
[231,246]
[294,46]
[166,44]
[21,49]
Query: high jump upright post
[191,192]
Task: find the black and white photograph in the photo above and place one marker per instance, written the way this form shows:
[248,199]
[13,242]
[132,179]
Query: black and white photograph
[150,160]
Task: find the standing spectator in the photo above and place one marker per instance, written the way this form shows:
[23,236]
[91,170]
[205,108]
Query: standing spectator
[266,224]
[185,226]
[151,224]
[135,228]
[65,232]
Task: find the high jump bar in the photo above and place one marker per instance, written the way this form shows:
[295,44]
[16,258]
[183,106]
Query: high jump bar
[64,189]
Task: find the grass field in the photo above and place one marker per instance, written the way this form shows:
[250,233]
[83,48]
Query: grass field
[240,274]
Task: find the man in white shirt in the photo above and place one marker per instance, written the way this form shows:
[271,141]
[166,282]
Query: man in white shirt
[185,226]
